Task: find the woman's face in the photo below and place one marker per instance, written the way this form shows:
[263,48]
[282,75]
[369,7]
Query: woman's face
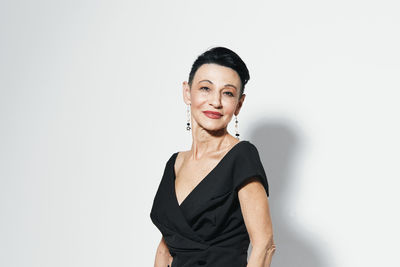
[215,89]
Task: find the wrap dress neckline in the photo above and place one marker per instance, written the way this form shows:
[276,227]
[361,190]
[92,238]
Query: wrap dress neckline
[207,228]
[202,181]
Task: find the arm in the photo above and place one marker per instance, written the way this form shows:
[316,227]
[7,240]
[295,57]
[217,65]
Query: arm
[255,209]
[163,257]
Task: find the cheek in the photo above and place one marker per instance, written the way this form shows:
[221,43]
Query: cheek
[229,105]
[198,99]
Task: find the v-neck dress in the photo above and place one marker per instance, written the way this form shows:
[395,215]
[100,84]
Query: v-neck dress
[207,228]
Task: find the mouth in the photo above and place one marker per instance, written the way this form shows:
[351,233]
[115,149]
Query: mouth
[212,114]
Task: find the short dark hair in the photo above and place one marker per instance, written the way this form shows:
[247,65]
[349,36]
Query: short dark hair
[224,57]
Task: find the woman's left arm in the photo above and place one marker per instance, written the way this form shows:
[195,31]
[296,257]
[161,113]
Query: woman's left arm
[255,209]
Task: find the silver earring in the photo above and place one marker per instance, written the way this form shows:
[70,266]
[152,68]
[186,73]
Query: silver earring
[188,118]
[236,128]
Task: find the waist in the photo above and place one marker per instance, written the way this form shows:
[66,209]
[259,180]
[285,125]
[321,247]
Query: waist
[213,256]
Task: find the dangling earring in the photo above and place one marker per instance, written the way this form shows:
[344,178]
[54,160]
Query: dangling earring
[236,127]
[188,119]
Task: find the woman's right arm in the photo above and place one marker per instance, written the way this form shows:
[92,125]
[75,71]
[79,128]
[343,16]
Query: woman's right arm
[163,257]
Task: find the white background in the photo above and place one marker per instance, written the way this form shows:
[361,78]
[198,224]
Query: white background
[91,108]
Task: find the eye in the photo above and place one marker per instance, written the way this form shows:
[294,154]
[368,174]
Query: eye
[201,88]
[229,93]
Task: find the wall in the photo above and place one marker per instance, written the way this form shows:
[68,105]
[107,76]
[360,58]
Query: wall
[91,108]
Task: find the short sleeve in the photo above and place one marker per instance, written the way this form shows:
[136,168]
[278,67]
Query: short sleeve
[248,165]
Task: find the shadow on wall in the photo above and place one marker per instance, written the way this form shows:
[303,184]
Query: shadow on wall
[279,145]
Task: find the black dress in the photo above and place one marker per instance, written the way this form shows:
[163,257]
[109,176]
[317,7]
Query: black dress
[208,229]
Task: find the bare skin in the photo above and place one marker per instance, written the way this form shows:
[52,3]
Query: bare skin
[163,257]
[256,214]
[186,167]
[216,88]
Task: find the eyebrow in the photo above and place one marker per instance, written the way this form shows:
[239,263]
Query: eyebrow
[231,85]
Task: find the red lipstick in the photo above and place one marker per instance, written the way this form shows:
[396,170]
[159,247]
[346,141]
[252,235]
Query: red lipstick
[212,114]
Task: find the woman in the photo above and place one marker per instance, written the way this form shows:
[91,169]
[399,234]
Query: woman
[213,199]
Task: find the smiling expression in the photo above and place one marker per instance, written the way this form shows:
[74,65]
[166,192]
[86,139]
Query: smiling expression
[214,96]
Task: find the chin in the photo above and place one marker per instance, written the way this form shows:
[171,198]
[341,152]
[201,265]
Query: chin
[214,127]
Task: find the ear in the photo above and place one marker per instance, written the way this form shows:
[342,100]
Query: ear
[239,105]
[186,93]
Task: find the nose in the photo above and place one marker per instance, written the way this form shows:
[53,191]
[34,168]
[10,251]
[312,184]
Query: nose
[215,99]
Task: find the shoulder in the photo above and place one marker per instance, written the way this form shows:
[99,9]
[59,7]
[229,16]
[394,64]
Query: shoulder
[178,158]
[247,156]
[247,165]
[246,147]
[171,158]
[248,144]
